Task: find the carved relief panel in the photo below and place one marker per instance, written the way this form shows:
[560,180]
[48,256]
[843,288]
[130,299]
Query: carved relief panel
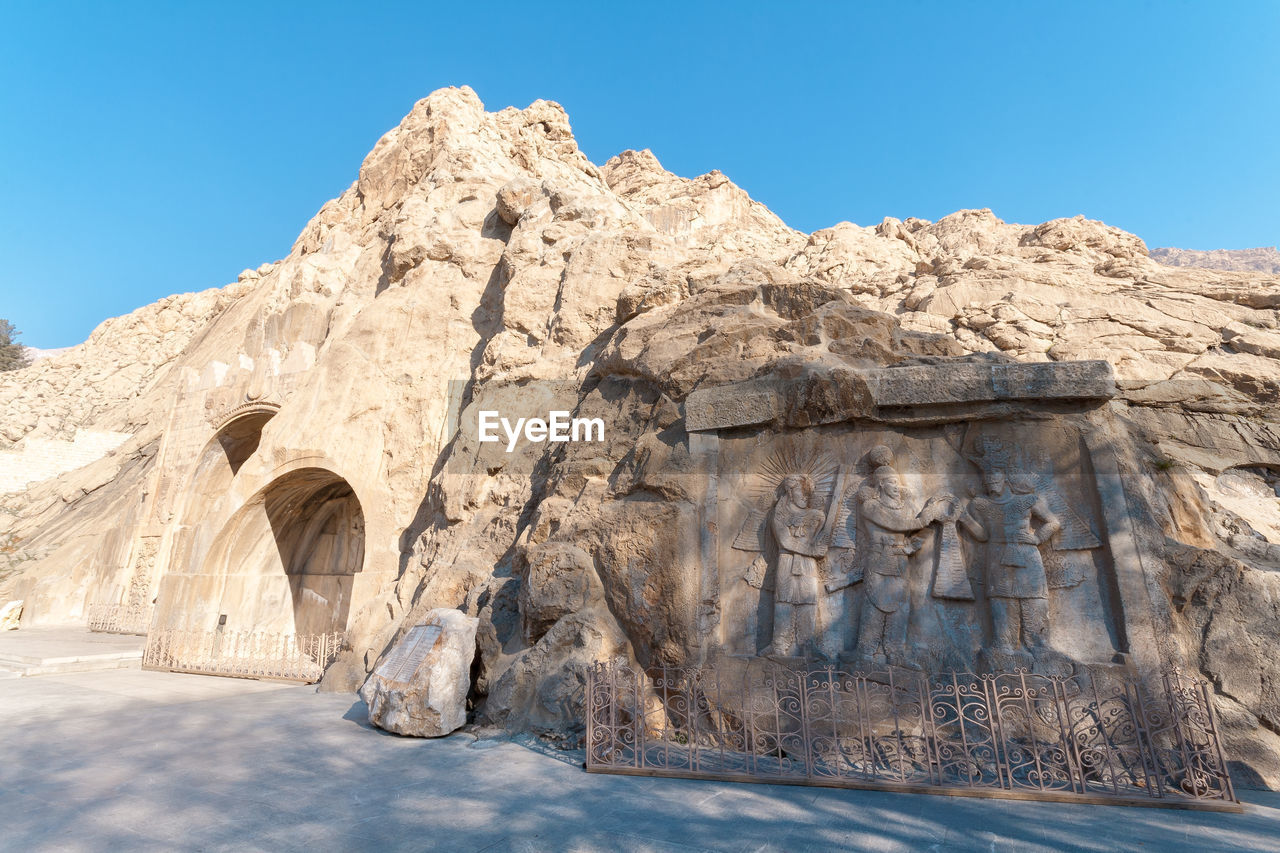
[957,546]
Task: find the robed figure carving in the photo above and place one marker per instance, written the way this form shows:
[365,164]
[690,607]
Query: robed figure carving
[801,530]
[1013,524]
[888,522]
[797,526]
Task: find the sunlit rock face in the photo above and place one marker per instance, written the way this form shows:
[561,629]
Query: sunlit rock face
[421,687]
[304,454]
[1265,259]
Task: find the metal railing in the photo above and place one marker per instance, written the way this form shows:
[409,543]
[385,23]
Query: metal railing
[243,654]
[1098,738]
[120,618]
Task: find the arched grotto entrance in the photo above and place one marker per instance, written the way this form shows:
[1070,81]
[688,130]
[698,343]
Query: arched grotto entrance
[220,460]
[240,438]
[318,528]
[284,563]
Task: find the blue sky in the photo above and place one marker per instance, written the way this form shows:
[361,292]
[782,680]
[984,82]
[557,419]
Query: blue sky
[149,149]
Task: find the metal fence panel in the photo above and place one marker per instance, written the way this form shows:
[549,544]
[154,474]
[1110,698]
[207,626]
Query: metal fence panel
[1090,737]
[243,654]
[120,618]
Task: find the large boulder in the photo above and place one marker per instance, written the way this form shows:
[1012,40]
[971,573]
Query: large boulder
[421,687]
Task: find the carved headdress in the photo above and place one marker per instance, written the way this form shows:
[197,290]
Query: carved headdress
[1029,473]
[819,469]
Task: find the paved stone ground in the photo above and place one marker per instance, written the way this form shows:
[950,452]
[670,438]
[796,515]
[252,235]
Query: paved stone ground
[132,760]
[52,650]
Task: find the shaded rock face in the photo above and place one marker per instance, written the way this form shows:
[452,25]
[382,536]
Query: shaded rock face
[305,450]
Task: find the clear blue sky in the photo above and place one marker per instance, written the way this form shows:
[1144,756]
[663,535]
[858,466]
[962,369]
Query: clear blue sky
[149,149]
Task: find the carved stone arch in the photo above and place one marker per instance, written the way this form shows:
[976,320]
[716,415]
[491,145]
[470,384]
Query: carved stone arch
[235,439]
[237,433]
[222,418]
[284,561]
[241,431]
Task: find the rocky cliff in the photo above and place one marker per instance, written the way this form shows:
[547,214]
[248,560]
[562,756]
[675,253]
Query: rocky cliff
[480,260]
[1266,260]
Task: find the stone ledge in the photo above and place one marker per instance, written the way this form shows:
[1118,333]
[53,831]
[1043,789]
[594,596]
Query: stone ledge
[979,383]
[740,404]
[761,401]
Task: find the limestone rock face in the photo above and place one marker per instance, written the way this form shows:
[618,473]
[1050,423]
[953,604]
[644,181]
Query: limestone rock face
[304,457]
[94,382]
[11,616]
[1266,260]
[35,354]
[421,687]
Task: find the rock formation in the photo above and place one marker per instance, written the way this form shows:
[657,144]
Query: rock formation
[1265,259]
[11,616]
[303,452]
[35,354]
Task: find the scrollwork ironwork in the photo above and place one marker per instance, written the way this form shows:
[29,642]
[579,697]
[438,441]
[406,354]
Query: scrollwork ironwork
[1007,733]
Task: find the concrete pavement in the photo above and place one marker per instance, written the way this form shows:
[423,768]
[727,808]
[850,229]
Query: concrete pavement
[133,760]
[59,649]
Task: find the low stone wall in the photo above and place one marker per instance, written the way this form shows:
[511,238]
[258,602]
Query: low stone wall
[43,458]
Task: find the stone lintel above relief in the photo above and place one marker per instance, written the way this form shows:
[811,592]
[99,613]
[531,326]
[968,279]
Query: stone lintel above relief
[825,396]
[739,404]
[975,383]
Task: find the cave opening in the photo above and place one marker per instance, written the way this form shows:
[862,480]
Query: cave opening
[317,525]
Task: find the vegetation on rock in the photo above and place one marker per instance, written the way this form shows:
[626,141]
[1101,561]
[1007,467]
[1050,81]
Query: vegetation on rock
[13,355]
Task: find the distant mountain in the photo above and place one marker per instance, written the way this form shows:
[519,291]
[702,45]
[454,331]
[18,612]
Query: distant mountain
[1265,259]
[41,354]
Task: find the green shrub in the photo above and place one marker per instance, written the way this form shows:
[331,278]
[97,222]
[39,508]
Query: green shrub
[13,355]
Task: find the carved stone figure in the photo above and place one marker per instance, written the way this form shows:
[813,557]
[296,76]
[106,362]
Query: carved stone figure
[788,516]
[950,580]
[797,527]
[1017,586]
[849,528]
[887,521]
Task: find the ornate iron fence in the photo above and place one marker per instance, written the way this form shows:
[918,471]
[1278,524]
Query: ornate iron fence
[1092,738]
[243,654]
[120,618]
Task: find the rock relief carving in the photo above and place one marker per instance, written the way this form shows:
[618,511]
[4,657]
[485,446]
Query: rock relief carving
[1013,525]
[139,594]
[886,528]
[797,511]
[846,544]
[1014,516]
